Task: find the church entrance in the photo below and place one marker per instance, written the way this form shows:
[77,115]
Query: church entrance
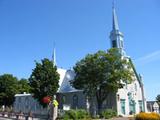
[132,107]
[122,101]
[132,103]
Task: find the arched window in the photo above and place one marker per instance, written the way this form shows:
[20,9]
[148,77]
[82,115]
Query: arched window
[135,85]
[19,100]
[63,99]
[75,101]
[26,102]
[114,43]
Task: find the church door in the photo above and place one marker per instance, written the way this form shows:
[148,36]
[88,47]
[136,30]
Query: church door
[131,104]
[123,106]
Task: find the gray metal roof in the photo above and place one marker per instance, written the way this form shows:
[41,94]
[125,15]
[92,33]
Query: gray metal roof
[65,85]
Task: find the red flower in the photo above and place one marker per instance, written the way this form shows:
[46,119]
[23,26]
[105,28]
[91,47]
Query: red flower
[47,99]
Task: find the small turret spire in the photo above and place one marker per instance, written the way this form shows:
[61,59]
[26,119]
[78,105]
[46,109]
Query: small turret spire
[54,55]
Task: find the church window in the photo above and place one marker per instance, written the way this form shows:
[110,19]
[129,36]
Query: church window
[26,102]
[126,86]
[38,107]
[114,43]
[64,99]
[140,106]
[135,85]
[75,101]
[19,100]
[118,97]
[121,43]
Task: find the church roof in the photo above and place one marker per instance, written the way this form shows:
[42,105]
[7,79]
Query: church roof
[23,94]
[135,72]
[65,77]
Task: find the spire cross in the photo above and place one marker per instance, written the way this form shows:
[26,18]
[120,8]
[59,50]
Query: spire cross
[113,3]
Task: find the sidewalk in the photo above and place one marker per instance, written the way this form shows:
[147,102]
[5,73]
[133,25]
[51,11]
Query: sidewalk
[121,118]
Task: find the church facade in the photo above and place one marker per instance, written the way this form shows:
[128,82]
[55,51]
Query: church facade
[128,100]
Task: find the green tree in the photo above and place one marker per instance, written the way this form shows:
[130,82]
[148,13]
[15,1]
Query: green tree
[102,73]
[44,80]
[158,99]
[23,86]
[8,88]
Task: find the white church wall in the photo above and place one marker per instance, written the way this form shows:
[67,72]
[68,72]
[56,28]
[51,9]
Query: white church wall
[136,94]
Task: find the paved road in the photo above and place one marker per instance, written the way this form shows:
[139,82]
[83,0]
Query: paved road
[1,118]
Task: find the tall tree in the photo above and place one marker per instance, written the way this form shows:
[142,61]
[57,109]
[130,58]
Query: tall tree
[44,80]
[102,73]
[23,86]
[8,88]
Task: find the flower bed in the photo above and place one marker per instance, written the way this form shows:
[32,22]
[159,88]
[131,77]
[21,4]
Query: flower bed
[147,116]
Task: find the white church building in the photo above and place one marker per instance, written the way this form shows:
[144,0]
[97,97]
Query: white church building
[128,100]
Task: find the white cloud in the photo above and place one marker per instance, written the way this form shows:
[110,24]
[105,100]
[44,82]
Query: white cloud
[154,56]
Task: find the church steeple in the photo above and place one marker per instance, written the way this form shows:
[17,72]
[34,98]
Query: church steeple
[116,36]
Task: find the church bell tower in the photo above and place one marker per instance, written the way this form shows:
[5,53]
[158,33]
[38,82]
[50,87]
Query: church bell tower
[116,36]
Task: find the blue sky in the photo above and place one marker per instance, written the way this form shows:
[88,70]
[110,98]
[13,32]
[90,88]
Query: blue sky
[28,29]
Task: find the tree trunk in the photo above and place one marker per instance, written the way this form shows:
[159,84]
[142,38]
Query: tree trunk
[92,107]
[99,107]
[100,99]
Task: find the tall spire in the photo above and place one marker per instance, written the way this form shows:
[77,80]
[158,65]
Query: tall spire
[54,55]
[116,36]
[115,20]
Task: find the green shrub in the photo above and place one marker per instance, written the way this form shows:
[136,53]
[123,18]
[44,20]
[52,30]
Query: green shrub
[109,113]
[75,115]
[1,110]
[147,116]
[81,114]
[70,114]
